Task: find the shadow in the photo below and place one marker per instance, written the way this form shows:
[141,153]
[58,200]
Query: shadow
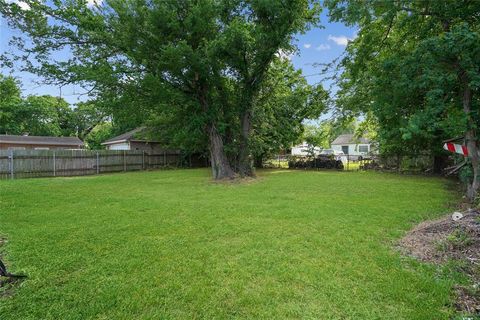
[7,284]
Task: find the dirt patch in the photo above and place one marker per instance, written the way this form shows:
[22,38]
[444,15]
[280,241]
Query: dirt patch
[443,240]
[467,300]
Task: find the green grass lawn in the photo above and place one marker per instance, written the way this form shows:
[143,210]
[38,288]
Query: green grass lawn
[174,245]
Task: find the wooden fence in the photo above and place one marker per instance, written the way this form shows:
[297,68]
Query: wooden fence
[50,163]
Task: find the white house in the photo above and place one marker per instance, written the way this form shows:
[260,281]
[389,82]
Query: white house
[302,150]
[349,144]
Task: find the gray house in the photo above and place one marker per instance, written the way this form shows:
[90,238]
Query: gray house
[349,144]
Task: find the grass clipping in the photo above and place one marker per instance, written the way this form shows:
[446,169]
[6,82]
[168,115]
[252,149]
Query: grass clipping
[444,240]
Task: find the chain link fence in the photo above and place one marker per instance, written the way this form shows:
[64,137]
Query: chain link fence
[407,164]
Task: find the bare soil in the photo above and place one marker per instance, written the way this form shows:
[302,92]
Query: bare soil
[443,240]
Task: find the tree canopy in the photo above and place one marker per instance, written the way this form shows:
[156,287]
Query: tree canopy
[35,115]
[414,68]
[201,63]
[285,100]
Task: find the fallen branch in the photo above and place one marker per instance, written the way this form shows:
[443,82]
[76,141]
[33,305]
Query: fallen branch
[454,139]
[455,168]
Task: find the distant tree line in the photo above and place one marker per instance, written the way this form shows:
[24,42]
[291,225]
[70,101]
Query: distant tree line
[47,115]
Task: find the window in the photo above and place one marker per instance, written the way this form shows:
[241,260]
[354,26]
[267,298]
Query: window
[363,149]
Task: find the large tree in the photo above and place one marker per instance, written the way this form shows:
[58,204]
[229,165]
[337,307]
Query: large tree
[415,66]
[284,102]
[86,116]
[204,60]
[45,116]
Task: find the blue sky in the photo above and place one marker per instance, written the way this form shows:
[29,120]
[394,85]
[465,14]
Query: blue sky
[319,45]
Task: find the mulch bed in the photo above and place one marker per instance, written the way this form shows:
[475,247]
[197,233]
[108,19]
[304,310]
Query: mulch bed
[444,239]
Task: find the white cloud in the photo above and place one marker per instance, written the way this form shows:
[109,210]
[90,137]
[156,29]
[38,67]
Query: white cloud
[307,45]
[21,4]
[341,40]
[323,47]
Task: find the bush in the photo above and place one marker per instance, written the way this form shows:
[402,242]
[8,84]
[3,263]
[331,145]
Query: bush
[318,163]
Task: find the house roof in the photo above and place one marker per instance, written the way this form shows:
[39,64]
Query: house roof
[137,134]
[41,140]
[350,139]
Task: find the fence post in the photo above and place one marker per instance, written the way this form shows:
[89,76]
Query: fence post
[143,160]
[11,164]
[164,158]
[124,161]
[98,163]
[54,165]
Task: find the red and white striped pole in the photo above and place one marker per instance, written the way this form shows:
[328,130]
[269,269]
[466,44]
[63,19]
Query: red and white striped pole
[456,148]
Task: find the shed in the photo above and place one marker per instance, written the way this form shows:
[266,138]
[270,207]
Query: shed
[135,139]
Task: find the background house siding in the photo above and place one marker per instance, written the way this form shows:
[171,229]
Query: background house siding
[353,149]
[119,146]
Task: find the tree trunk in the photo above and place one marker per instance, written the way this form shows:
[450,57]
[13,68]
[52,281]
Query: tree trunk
[470,139]
[245,167]
[221,168]
[258,162]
